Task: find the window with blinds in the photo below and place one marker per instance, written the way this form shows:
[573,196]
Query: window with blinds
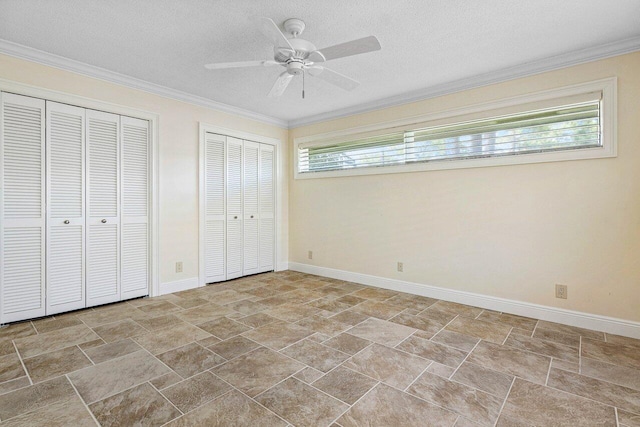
[567,127]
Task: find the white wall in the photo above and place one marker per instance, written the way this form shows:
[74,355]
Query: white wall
[510,231]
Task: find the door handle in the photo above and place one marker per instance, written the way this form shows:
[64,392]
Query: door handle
[251,216]
[66,221]
[104,221]
[235,217]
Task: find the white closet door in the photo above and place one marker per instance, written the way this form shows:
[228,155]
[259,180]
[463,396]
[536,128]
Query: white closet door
[134,134]
[251,216]
[103,208]
[234,208]
[22,208]
[65,144]
[267,208]
[214,208]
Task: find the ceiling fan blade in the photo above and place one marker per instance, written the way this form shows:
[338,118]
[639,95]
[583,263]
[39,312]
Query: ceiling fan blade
[354,47]
[333,77]
[223,65]
[280,85]
[273,33]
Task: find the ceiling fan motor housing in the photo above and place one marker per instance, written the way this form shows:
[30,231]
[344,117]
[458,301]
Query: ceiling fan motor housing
[295,67]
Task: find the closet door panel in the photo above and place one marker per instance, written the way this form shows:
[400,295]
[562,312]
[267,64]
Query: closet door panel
[251,215]
[103,210]
[267,227]
[215,220]
[234,251]
[134,135]
[65,148]
[22,208]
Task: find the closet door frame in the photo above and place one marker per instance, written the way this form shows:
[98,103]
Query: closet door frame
[154,158]
[280,177]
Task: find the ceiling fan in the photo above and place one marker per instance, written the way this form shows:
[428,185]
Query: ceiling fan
[299,56]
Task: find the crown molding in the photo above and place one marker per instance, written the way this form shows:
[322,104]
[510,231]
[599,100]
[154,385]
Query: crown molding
[24,52]
[523,70]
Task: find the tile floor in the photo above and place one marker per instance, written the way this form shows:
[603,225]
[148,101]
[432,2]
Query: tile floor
[283,349]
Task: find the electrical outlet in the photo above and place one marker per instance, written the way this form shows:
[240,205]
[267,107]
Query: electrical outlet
[310,255]
[561,291]
[400,267]
[179,267]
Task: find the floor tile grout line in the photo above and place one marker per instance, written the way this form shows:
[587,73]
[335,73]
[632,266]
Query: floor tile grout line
[86,355]
[252,398]
[312,386]
[400,390]
[183,414]
[137,384]
[603,379]
[507,336]
[406,338]
[445,327]
[577,395]
[465,359]
[16,389]
[453,411]
[418,376]
[128,388]
[356,402]
[26,372]
[568,348]
[580,356]
[324,374]
[535,328]
[82,400]
[173,404]
[546,381]
[504,402]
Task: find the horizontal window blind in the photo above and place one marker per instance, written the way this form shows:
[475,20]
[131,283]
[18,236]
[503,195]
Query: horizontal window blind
[569,127]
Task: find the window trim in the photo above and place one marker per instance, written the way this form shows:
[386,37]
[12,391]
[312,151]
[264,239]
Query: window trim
[608,88]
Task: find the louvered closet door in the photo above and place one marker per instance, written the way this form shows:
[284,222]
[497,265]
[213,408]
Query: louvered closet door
[134,134]
[234,208]
[267,227]
[22,208]
[103,209]
[251,151]
[215,243]
[66,207]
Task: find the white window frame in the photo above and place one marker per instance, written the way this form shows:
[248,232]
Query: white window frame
[607,87]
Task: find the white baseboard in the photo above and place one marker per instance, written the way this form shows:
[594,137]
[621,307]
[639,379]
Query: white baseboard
[282,266]
[568,317]
[179,285]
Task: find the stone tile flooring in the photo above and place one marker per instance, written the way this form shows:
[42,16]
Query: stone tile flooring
[285,349]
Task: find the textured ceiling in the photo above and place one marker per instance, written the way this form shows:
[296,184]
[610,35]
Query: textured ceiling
[424,43]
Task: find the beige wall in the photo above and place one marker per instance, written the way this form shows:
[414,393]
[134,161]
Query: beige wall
[508,231]
[178,140]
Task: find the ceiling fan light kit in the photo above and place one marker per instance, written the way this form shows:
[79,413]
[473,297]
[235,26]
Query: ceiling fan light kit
[298,55]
